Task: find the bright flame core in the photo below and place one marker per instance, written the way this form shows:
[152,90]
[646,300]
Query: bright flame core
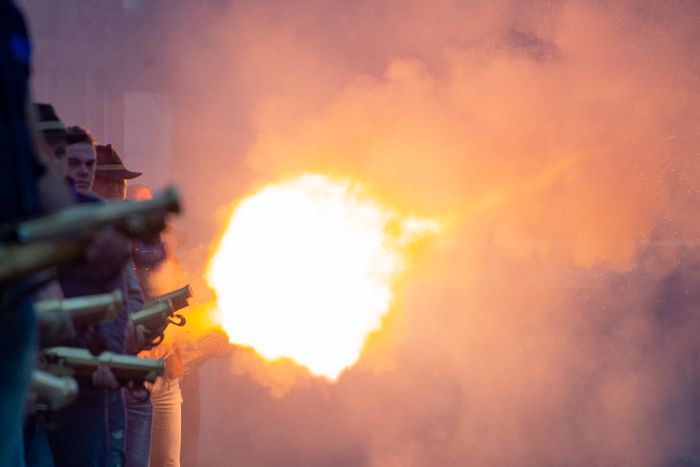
[305,269]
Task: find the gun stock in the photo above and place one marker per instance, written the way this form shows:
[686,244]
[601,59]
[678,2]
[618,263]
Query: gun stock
[127,369]
[141,219]
[179,298]
[53,392]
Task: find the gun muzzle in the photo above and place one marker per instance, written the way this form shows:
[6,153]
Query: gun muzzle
[179,298]
[80,362]
[141,219]
[53,392]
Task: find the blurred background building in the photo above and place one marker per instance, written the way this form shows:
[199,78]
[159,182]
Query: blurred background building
[91,63]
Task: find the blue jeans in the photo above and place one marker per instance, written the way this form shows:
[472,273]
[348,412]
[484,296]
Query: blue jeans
[17,459]
[80,438]
[37,452]
[116,425]
[17,342]
[137,445]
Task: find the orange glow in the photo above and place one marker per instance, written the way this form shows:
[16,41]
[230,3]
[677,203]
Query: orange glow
[305,270]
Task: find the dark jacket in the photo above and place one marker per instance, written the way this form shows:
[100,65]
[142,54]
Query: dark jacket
[78,279]
[18,166]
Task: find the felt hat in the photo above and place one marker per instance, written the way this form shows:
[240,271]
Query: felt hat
[51,126]
[110,165]
[78,134]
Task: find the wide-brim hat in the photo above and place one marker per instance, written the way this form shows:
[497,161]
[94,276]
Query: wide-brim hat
[51,126]
[109,164]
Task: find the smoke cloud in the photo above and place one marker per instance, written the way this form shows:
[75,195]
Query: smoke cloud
[554,320]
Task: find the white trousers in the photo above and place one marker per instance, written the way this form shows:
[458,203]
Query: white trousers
[166,427]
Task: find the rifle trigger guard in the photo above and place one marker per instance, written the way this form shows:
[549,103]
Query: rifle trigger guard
[181,320]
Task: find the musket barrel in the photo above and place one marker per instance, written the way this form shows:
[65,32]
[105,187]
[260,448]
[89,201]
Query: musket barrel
[92,309]
[132,368]
[21,260]
[179,298]
[47,241]
[125,368]
[137,219]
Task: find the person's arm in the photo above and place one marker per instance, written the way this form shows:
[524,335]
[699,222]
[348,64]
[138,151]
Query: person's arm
[132,286]
[134,339]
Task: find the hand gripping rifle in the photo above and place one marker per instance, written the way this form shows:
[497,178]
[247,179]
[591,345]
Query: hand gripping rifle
[155,319]
[53,315]
[53,392]
[41,243]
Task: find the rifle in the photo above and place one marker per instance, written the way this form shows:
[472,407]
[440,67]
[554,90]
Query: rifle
[41,243]
[211,345]
[53,315]
[155,319]
[53,392]
[22,260]
[179,298]
[140,219]
[129,370]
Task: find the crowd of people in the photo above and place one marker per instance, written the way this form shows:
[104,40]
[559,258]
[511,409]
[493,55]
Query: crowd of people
[47,167]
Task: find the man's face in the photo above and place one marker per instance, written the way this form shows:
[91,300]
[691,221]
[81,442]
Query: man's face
[80,166]
[110,189]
